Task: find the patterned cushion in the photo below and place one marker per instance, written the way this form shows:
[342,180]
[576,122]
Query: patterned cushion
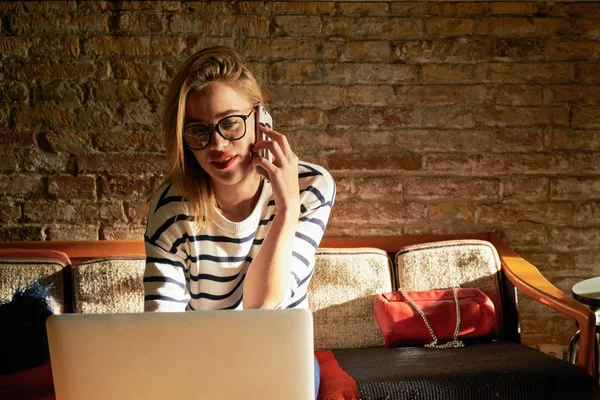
[109,285]
[341,296]
[441,265]
[19,267]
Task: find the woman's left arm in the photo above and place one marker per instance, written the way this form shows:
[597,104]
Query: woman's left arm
[285,260]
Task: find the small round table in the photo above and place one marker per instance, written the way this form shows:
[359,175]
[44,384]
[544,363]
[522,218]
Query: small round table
[587,292]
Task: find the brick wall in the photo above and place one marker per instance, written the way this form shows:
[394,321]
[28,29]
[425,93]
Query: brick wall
[434,117]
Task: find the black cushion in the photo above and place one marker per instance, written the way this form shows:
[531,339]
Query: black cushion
[480,371]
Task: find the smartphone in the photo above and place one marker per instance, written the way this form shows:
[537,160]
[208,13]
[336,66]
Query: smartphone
[263,118]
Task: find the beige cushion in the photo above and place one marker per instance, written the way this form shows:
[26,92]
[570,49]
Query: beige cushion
[342,293]
[19,268]
[441,265]
[109,285]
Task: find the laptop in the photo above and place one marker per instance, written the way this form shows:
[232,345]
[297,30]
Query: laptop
[250,354]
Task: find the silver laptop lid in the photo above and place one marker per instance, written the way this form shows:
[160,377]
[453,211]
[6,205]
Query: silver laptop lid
[252,354]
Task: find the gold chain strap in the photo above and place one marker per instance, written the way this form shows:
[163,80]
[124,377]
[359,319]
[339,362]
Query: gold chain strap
[453,344]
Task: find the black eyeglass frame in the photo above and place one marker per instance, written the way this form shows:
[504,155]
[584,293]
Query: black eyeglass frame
[216,126]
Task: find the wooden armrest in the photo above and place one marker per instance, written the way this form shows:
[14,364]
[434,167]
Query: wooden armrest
[527,278]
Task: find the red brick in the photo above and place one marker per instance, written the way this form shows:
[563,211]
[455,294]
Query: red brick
[128,141]
[11,141]
[371,116]
[450,73]
[572,139]
[139,69]
[522,116]
[76,211]
[526,72]
[519,95]
[38,161]
[376,188]
[439,227]
[8,163]
[543,213]
[588,213]
[524,27]
[302,71]
[377,213]
[297,117]
[14,93]
[451,117]
[73,142]
[572,50]
[138,212]
[99,116]
[588,28]
[366,28]
[378,162]
[71,232]
[124,232]
[116,90]
[13,46]
[305,25]
[366,50]
[133,46]
[521,163]
[437,51]
[122,163]
[72,187]
[124,187]
[363,9]
[577,10]
[4,117]
[584,163]
[357,73]
[513,7]
[140,115]
[587,72]
[517,140]
[294,7]
[282,48]
[9,212]
[575,188]
[93,23]
[70,69]
[571,94]
[369,95]
[58,92]
[44,24]
[440,140]
[444,94]
[321,96]
[211,7]
[21,233]
[420,9]
[61,6]
[451,212]
[586,117]
[572,239]
[526,188]
[53,117]
[152,5]
[432,188]
[224,25]
[448,27]
[516,49]
[141,23]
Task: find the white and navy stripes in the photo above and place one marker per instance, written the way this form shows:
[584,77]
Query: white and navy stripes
[205,270]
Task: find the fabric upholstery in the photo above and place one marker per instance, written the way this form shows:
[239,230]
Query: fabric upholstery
[442,265]
[341,295]
[481,371]
[19,267]
[109,285]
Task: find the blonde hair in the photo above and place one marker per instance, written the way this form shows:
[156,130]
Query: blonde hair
[213,64]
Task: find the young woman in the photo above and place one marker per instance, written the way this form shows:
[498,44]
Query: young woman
[219,234]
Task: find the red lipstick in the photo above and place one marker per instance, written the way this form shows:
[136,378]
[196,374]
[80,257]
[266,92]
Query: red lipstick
[222,161]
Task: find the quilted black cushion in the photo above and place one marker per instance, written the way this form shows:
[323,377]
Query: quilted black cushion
[481,371]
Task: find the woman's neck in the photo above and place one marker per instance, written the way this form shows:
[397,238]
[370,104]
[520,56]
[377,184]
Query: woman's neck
[237,202]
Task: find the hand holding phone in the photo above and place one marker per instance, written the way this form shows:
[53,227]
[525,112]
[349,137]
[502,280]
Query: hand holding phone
[263,118]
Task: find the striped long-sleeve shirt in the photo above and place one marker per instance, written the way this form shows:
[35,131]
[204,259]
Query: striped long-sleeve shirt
[205,270]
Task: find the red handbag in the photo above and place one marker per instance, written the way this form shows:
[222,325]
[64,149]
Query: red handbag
[421,318]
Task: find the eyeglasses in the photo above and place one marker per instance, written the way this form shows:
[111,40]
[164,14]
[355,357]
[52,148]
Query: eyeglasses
[232,127]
